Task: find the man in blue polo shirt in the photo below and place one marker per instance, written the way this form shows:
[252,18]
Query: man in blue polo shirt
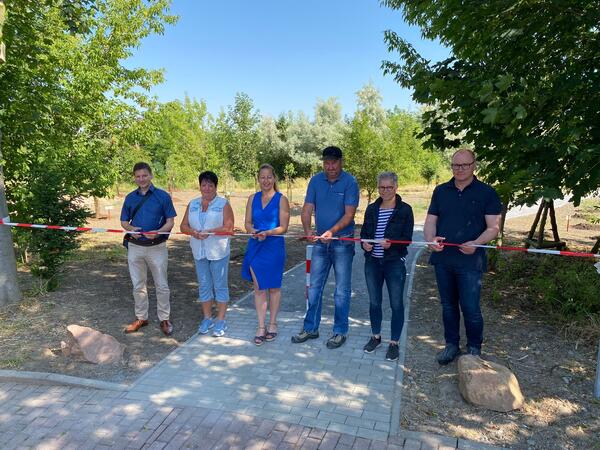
[333,196]
[148,209]
[462,211]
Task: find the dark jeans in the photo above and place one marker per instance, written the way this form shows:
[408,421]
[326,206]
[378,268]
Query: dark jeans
[394,274]
[460,291]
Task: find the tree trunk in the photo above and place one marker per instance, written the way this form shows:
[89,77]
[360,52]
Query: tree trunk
[9,287]
[96,208]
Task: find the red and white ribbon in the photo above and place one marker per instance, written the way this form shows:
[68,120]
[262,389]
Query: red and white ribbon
[6,222]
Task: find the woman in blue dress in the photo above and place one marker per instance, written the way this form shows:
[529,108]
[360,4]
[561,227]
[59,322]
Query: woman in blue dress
[267,218]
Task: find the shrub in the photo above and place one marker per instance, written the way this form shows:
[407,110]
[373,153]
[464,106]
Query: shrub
[566,288]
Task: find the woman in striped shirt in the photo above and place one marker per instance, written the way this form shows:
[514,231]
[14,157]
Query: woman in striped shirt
[387,219]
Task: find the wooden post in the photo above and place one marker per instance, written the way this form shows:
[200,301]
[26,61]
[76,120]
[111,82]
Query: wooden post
[542,224]
[535,222]
[553,222]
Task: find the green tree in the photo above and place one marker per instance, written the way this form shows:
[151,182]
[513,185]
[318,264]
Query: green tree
[179,144]
[366,151]
[66,102]
[240,147]
[521,86]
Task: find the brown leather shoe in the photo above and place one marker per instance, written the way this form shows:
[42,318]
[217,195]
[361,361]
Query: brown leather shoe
[136,325]
[167,327]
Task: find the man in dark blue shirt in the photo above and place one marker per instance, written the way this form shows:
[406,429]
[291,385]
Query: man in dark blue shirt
[148,209]
[462,211]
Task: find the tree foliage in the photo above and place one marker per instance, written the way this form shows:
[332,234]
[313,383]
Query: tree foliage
[521,86]
[66,101]
[379,140]
[178,142]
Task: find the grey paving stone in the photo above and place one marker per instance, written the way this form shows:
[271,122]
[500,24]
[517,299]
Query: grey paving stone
[359,422]
[347,411]
[372,434]
[342,428]
[377,416]
[332,417]
[314,423]
[464,444]
[347,439]
[412,444]
[382,426]
[429,438]
[329,441]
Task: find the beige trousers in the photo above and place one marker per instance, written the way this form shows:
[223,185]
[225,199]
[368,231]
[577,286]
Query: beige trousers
[156,258]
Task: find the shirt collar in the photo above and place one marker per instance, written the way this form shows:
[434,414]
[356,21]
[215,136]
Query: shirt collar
[150,189]
[379,201]
[450,184]
[342,173]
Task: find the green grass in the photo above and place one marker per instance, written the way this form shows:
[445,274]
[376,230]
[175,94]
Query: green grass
[589,210]
[12,363]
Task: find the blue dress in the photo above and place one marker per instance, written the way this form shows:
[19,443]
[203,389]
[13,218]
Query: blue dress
[267,258]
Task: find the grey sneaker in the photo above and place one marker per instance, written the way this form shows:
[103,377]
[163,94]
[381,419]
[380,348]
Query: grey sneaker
[304,336]
[393,353]
[372,344]
[446,356]
[335,341]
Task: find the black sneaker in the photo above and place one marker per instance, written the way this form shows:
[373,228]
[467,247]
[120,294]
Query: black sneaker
[446,356]
[393,353]
[473,351]
[372,344]
[335,341]
[304,336]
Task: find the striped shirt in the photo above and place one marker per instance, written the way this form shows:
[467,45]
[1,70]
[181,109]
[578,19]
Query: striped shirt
[382,220]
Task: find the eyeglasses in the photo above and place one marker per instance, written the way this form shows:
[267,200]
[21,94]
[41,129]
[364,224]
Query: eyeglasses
[462,166]
[386,188]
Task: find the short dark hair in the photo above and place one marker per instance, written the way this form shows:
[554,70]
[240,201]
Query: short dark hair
[332,152]
[142,166]
[208,176]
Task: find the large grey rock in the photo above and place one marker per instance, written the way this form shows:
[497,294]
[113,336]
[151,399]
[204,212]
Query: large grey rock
[488,384]
[91,345]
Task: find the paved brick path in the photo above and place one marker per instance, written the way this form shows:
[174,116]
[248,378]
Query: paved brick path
[228,393]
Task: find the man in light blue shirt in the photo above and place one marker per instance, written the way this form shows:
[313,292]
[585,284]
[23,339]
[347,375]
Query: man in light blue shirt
[333,196]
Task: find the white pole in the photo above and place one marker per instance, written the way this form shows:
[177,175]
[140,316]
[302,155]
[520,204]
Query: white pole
[309,249]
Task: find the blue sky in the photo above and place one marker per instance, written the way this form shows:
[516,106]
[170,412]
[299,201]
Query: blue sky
[284,54]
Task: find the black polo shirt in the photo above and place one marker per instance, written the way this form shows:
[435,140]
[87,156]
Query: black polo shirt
[461,218]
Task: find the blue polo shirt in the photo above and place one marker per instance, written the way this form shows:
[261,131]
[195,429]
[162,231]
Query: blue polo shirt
[461,218]
[330,200]
[154,212]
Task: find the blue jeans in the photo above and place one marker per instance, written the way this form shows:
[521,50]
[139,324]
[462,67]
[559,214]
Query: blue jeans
[338,254]
[460,290]
[213,279]
[393,272]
